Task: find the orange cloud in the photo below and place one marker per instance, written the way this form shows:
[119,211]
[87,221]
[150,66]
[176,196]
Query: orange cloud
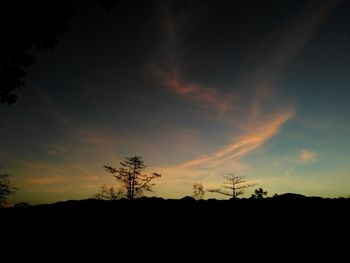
[244,144]
[307,155]
[205,96]
[46,173]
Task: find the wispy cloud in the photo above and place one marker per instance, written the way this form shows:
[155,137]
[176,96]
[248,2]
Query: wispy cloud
[54,177]
[78,141]
[261,116]
[46,180]
[244,144]
[253,126]
[204,96]
[168,70]
[306,155]
[296,34]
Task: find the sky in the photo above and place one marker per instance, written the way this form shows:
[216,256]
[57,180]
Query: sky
[199,89]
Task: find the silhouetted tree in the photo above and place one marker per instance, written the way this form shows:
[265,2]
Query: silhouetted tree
[198,191]
[259,193]
[130,176]
[109,193]
[27,26]
[233,186]
[6,188]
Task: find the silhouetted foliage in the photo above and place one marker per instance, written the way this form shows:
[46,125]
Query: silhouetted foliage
[27,26]
[198,191]
[233,186]
[6,188]
[109,193]
[131,177]
[22,205]
[259,193]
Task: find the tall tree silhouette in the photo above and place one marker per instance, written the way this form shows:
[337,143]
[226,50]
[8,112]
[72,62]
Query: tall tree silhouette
[130,175]
[233,186]
[6,188]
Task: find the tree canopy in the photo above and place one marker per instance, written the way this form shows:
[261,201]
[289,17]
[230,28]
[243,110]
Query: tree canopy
[130,175]
[6,188]
[233,186]
[27,26]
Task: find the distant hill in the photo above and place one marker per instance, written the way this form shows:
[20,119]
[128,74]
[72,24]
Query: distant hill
[286,204]
[155,222]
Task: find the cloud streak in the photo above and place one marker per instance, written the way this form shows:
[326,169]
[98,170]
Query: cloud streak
[244,144]
[48,180]
[52,177]
[300,30]
[168,70]
[204,96]
[296,34]
[262,121]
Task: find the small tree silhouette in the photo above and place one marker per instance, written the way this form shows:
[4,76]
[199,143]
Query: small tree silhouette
[109,193]
[198,191]
[131,177]
[233,186]
[6,188]
[259,193]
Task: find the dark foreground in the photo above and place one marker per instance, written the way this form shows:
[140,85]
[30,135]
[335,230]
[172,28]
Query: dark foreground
[288,208]
[155,222]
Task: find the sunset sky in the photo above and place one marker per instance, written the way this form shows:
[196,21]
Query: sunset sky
[197,88]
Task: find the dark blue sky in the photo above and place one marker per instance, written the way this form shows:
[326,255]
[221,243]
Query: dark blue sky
[198,89]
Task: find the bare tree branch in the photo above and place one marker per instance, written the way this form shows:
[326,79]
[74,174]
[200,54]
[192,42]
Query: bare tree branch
[131,178]
[234,184]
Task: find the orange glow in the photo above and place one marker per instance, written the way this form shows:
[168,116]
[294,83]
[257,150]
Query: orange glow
[307,155]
